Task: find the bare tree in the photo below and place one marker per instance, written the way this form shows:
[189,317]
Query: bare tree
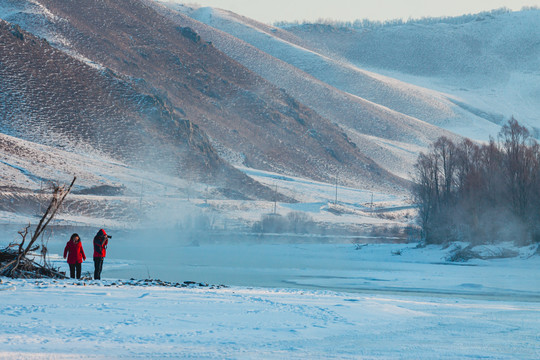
[445,150]
[476,192]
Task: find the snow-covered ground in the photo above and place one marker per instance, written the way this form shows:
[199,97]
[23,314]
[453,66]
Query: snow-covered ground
[157,200]
[409,306]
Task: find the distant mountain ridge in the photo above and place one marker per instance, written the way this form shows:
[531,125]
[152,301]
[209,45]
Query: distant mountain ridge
[498,35]
[488,63]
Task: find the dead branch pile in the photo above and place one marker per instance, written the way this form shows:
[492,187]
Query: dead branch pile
[27,267]
[14,259]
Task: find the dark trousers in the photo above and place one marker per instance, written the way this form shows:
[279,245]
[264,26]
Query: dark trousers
[98,266]
[75,268]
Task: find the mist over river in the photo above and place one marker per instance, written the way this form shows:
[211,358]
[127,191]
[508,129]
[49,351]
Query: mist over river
[345,264]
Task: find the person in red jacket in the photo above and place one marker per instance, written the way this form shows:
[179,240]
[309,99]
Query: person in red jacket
[75,255]
[100,249]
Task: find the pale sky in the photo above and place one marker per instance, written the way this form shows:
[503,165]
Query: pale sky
[269,11]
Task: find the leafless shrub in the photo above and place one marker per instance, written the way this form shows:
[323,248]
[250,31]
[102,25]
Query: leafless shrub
[462,254]
[387,231]
[295,222]
[198,222]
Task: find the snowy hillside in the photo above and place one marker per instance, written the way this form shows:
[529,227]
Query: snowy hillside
[386,118]
[488,64]
[53,99]
[245,117]
[486,71]
[404,98]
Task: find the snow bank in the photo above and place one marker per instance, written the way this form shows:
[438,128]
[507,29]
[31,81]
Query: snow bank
[397,301]
[67,319]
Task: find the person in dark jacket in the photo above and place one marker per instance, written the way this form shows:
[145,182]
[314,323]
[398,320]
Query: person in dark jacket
[100,249]
[75,256]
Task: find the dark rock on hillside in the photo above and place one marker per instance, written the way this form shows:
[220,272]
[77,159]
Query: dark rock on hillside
[190,34]
[17,32]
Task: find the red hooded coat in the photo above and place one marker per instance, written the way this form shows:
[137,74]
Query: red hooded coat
[100,243]
[75,251]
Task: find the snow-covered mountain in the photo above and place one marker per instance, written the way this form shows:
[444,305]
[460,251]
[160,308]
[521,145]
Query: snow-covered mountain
[248,120]
[389,137]
[387,116]
[191,91]
[489,64]
[463,74]
[118,83]
[402,97]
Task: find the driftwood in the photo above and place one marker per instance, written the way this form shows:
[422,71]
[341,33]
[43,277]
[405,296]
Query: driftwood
[18,263]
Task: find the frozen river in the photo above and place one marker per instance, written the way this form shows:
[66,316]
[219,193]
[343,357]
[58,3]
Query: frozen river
[286,300]
[275,262]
